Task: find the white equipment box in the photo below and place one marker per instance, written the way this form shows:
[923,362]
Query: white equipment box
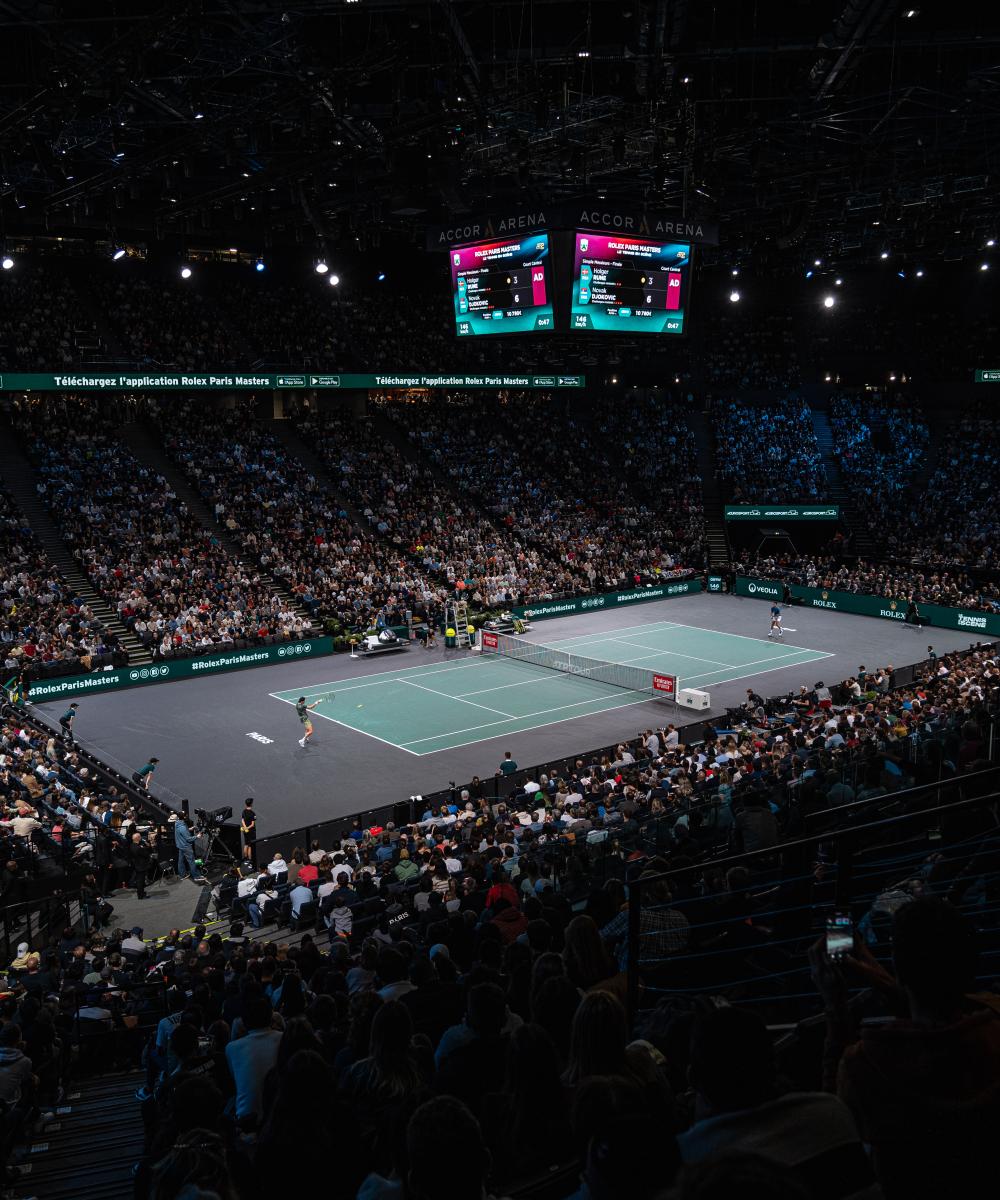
[692,698]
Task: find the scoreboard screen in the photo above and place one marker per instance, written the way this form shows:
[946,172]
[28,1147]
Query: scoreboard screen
[629,284]
[503,287]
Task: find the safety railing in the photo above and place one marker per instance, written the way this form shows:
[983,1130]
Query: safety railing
[750,944]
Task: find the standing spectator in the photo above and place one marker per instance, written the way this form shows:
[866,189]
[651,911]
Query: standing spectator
[140,857]
[248,829]
[184,841]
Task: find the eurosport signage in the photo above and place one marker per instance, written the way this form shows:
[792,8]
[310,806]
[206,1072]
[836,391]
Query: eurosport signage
[935,615]
[578,604]
[180,668]
[580,215]
[788,512]
[85,381]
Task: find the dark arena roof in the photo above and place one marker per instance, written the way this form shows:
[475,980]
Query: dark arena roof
[499,599]
[800,128]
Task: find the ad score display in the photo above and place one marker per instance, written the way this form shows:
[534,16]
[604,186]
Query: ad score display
[629,285]
[620,284]
[502,287]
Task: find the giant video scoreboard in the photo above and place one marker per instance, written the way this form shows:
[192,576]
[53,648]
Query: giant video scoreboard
[580,280]
[629,284]
[502,287]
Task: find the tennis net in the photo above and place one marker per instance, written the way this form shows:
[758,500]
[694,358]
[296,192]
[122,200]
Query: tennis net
[620,675]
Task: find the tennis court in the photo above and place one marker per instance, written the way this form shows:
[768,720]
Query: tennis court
[423,710]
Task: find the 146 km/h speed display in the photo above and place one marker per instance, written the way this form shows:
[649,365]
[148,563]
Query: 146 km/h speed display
[502,287]
[629,285]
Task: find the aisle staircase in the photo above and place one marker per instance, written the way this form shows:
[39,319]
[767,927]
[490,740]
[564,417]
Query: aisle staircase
[88,1151]
[143,443]
[21,481]
[938,423]
[836,491]
[711,491]
[287,434]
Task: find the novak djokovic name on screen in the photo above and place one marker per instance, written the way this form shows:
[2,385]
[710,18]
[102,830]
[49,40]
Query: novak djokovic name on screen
[502,287]
[629,284]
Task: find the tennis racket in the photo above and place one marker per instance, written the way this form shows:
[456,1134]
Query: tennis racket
[328,696]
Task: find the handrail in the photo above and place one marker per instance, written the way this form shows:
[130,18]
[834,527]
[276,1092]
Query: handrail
[844,839]
[831,835]
[895,797]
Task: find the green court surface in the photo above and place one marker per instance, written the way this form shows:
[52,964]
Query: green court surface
[426,709]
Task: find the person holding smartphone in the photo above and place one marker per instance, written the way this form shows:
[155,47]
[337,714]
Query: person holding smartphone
[922,1086]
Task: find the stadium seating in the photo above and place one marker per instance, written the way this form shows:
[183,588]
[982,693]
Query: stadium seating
[767,451]
[285,519]
[488,937]
[171,583]
[45,629]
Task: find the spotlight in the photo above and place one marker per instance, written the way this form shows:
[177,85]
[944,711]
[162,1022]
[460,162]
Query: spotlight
[892,378]
[990,241]
[199,116]
[809,274]
[884,254]
[828,378]
[736,271]
[321,268]
[7,263]
[259,265]
[901,274]
[333,280]
[828,301]
[185,272]
[984,266]
[119,253]
[381,276]
[911,13]
[734,297]
[817,262]
[919,273]
[838,282]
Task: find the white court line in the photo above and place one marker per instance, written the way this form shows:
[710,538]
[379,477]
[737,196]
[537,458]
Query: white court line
[460,699]
[814,656]
[742,636]
[352,728]
[695,680]
[644,696]
[661,625]
[520,683]
[613,632]
[673,653]
[377,677]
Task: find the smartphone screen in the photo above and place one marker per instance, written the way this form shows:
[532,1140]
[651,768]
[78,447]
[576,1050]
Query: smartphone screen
[839,935]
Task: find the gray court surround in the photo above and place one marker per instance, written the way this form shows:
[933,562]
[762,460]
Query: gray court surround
[223,738]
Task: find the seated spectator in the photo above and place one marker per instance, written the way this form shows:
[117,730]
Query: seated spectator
[923,1088]
[740,1107]
[251,1056]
